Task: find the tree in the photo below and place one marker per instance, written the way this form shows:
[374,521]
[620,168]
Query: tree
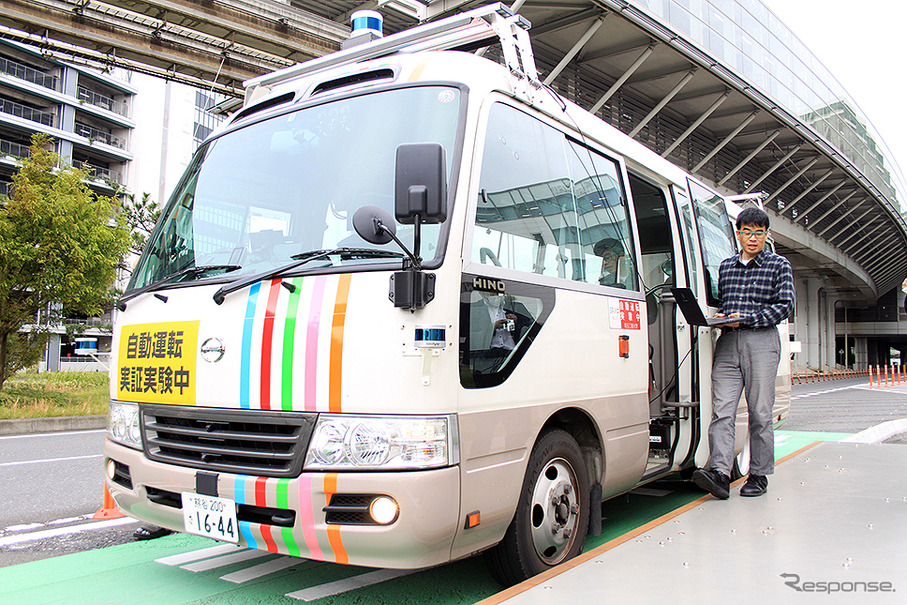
[141,216]
[60,245]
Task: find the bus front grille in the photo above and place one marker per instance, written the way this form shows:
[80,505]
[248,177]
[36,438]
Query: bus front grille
[247,442]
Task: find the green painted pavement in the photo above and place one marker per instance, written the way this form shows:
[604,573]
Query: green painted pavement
[128,573]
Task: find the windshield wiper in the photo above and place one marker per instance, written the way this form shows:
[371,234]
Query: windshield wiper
[187,271]
[301,259]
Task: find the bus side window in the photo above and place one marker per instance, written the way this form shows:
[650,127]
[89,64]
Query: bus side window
[496,330]
[655,239]
[604,228]
[550,206]
[525,218]
[716,235]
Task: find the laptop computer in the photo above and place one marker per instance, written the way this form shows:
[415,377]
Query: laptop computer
[692,312]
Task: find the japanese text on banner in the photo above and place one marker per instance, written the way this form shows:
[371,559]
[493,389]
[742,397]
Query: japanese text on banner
[624,314]
[157,362]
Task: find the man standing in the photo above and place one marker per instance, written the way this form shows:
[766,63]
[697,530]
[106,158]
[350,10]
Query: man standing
[758,287]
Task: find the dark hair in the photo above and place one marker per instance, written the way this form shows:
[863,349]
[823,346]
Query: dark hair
[609,244]
[753,216]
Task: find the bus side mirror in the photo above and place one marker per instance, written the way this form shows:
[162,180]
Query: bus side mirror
[421,183]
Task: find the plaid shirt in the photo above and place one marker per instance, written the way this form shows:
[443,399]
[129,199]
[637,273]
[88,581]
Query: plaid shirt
[762,290]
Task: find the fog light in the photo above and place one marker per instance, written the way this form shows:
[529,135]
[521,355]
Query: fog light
[383,510]
[111,469]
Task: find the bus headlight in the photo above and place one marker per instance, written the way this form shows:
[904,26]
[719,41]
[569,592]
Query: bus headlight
[342,442]
[123,424]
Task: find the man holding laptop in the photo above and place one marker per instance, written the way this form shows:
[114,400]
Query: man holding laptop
[756,286]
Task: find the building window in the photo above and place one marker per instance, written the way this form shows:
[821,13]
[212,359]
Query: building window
[205,120]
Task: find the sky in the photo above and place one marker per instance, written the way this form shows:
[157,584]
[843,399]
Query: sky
[864,45]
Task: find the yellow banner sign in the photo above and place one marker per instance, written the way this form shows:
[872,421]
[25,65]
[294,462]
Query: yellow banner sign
[157,362]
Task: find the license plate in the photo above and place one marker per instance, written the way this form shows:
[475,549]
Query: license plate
[211,517]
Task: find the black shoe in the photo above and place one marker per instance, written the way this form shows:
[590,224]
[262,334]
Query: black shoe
[717,484]
[151,532]
[755,485]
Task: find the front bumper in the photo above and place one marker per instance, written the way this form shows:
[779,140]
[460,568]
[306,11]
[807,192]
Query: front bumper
[420,536]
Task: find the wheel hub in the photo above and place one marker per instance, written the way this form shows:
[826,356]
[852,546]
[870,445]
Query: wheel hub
[555,511]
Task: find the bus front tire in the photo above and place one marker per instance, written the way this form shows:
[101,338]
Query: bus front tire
[552,515]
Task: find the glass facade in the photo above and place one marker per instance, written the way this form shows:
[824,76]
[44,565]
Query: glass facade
[751,41]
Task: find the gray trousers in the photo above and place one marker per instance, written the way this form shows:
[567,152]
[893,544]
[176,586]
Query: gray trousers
[745,360]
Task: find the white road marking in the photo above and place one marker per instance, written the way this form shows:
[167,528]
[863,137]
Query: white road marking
[68,520]
[23,527]
[63,531]
[24,462]
[61,433]
[263,569]
[29,526]
[197,555]
[237,557]
[825,392]
[334,588]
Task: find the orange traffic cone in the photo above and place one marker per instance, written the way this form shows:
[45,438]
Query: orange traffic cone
[109,508]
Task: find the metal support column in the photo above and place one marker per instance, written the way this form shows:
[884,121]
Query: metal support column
[881,254]
[806,191]
[838,205]
[799,173]
[777,165]
[697,123]
[726,140]
[845,215]
[749,157]
[800,216]
[856,230]
[621,80]
[573,51]
[661,104]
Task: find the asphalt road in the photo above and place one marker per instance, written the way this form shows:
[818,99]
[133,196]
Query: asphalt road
[52,484]
[50,476]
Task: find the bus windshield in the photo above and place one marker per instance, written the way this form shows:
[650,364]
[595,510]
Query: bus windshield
[255,198]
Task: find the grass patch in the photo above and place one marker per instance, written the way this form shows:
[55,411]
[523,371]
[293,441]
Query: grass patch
[32,395]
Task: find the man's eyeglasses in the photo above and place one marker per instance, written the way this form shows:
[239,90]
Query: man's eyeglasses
[747,234]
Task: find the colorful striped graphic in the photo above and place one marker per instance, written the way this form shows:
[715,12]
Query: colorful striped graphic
[239,495]
[245,358]
[283,502]
[267,341]
[292,364]
[307,517]
[319,542]
[261,484]
[292,359]
[330,488]
[311,352]
[339,320]
[289,345]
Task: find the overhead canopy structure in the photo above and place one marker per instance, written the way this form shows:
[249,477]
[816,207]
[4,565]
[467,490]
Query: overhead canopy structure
[694,93]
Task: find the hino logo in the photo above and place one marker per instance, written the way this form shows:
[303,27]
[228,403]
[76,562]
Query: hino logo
[484,284]
[212,350]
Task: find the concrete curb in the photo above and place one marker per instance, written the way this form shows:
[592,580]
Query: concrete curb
[24,426]
[879,432]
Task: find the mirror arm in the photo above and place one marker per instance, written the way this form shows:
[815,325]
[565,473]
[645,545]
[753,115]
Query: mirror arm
[415,260]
